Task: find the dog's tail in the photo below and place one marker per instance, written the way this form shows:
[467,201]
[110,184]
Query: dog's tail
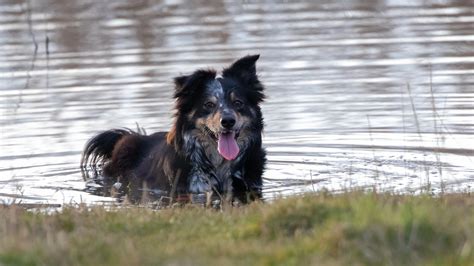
[98,150]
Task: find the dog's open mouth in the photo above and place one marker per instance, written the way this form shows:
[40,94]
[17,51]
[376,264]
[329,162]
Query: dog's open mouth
[227,145]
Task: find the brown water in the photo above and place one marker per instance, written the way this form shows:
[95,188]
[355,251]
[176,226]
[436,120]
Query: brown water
[360,93]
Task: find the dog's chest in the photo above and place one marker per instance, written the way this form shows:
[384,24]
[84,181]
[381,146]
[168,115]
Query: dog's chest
[212,154]
[200,147]
[223,168]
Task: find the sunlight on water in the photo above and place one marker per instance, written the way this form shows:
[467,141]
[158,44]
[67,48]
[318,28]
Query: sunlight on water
[361,94]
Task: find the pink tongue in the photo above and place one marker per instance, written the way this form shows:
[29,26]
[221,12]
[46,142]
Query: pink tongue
[227,146]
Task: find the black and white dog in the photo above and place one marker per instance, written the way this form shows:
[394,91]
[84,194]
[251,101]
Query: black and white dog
[214,146]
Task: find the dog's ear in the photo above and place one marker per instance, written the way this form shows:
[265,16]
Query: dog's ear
[188,85]
[243,69]
[180,81]
[180,85]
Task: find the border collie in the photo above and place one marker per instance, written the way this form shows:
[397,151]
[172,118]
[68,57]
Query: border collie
[213,147]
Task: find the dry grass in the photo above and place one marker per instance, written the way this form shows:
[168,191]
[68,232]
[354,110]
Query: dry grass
[318,229]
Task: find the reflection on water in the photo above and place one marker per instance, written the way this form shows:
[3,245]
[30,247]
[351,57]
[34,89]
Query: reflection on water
[360,93]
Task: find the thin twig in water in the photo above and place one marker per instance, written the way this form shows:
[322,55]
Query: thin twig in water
[437,135]
[35,53]
[418,130]
[30,25]
[46,42]
[404,134]
[415,114]
[47,59]
[373,153]
[312,182]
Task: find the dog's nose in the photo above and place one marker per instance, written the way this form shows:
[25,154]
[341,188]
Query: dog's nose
[227,122]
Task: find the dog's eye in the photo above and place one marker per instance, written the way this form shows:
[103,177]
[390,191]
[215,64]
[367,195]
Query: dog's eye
[210,105]
[238,104]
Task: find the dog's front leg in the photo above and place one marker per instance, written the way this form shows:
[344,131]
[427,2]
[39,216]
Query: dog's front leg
[228,193]
[199,184]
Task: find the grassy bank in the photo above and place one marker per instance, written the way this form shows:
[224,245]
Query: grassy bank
[348,229]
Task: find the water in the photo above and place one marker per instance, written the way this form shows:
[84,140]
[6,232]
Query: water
[376,94]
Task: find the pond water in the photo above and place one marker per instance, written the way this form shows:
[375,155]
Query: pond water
[361,94]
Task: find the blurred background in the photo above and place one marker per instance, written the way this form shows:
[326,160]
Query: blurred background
[361,94]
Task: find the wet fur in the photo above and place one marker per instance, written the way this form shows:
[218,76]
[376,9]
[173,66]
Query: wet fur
[186,159]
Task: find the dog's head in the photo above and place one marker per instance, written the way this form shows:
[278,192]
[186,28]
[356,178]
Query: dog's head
[223,110]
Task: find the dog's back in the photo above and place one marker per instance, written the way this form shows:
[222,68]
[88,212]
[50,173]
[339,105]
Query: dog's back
[123,154]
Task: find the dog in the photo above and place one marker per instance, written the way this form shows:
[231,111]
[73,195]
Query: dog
[214,146]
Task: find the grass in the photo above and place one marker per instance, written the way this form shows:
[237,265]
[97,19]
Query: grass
[317,229]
